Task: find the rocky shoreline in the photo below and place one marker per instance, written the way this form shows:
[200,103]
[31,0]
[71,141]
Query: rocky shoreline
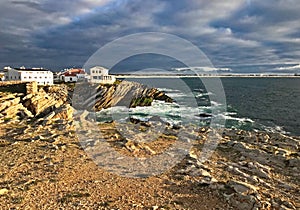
[20,101]
[45,164]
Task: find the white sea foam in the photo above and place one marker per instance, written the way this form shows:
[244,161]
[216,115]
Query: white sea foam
[176,95]
[275,129]
[168,90]
[214,103]
[172,113]
[230,113]
[241,119]
[200,95]
[198,90]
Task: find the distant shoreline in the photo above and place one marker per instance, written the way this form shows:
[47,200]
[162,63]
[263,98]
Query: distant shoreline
[205,76]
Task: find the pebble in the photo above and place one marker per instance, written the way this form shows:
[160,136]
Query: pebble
[3,191]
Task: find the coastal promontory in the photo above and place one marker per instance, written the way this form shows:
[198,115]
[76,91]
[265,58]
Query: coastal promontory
[44,166]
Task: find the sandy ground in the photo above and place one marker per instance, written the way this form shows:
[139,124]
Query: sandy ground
[56,173]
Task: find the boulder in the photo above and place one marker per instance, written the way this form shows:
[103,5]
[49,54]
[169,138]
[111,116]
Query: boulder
[242,187]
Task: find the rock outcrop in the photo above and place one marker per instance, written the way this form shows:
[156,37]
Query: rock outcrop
[36,104]
[251,169]
[21,101]
[129,94]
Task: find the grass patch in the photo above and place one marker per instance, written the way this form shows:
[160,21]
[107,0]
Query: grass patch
[117,82]
[142,101]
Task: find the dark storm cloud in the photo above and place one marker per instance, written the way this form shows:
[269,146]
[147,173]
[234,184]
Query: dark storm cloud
[273,24]
[65,33]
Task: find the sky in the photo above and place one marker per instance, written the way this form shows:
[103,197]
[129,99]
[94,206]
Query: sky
[240,35]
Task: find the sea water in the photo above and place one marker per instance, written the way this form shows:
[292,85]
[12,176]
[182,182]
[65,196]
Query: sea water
[268,104]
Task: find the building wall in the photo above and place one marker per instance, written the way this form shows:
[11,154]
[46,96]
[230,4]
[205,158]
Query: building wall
[99,71]
[70,78]
[81,76]
[103,79]
[13,75]
[100,75]
[41,77]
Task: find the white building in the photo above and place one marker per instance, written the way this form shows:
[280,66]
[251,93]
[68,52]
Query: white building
[100,74]
[40,75]
[72,75]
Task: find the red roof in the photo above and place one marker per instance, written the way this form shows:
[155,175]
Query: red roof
[73,72]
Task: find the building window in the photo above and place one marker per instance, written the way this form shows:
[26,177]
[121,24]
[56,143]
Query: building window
[94,77]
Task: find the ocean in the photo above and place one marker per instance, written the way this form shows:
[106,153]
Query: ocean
[272,103]
[250,103]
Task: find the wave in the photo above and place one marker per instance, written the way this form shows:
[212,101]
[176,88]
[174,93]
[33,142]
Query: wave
[274,129]
[239,119]
[198,90]
[171,113]
[200,95]
[214,103]
[168,90]
[178,114]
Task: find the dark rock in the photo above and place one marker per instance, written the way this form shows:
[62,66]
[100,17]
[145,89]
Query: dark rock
[146,124]
[134,120]
[176,127]
[204,115]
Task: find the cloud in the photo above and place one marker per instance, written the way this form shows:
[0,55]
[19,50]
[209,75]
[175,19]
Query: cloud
[59,34]
[296,67]
[202,68]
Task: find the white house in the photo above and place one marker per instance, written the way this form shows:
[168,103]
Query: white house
[40,75]
[100,74]
[72,75]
